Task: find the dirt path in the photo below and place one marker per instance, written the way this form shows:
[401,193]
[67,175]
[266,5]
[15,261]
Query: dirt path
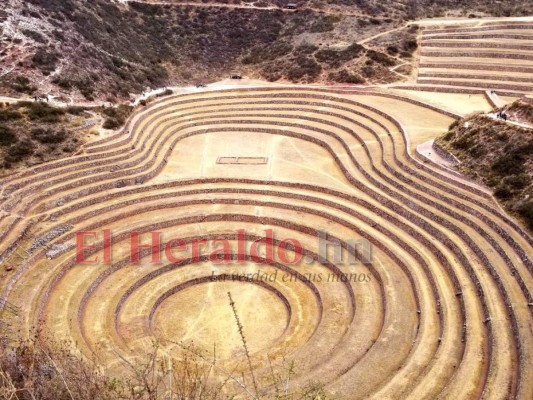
[383,33]
[246,6]
[444,21]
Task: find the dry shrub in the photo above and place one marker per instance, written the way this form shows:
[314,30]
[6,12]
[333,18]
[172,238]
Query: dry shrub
[39,369]
[43,369]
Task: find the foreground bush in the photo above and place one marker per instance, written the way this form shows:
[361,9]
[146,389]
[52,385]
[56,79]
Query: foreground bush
[36,370]
[43,369]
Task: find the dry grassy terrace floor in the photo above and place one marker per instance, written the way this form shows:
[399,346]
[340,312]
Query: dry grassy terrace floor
[445,311]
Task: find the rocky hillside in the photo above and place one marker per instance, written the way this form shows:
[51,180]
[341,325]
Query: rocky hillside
[499,155]
[107,49]
[35,132]
[101,49]
[401,9]
[521,111]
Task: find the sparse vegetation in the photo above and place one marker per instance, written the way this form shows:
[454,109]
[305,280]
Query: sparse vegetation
[7,136]
[345,76]
[325,23]
[18,151]
[22,84]
[43,112]
[162,46]
[45,61]
[526,212]
[304,67]
[46,136]
[521,111]
[336,57]
[43,369]
[116,116]
[9,115]
[380,58]
[498,154]
[34,35]
[267,53]
[33,132]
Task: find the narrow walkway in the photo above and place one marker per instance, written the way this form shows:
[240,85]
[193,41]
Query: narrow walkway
[494,99]
[508,121]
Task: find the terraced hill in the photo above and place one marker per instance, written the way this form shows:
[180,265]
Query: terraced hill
[444,310]
[489,56]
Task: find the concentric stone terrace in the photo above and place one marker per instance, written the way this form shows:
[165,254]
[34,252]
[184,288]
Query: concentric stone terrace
[443,311]
[474,57]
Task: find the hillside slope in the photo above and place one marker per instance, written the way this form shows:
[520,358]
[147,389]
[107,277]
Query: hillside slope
[106,49]
[100,49]
[499,155]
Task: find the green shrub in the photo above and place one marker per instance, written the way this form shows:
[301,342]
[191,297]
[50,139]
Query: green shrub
[7,136]
[392,50]
[517,182]
[502,136]
[48,136]
[336,57]
[304,67]
[267,53]
[448,136]
[117,62]
[353,51]
[9,115]
[34,35]
[345,76]
[75,110]
[44,112]
[21,80]
[508,164]
[166,92]
[453,124]
[380,58]
[45,61]
[21,84]
[19,150]
[493,180]
[523,151]
[86,88]
[324,24]
[526,211]
[116,116]
[63,83]
[477,151]
[369,71]
[306,49]
[410,45]
[462,143]
[112,123]
[502,192]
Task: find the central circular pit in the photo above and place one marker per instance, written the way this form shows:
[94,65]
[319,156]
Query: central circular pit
[202,314]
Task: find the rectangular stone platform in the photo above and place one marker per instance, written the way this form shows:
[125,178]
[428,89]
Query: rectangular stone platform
[242,160]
